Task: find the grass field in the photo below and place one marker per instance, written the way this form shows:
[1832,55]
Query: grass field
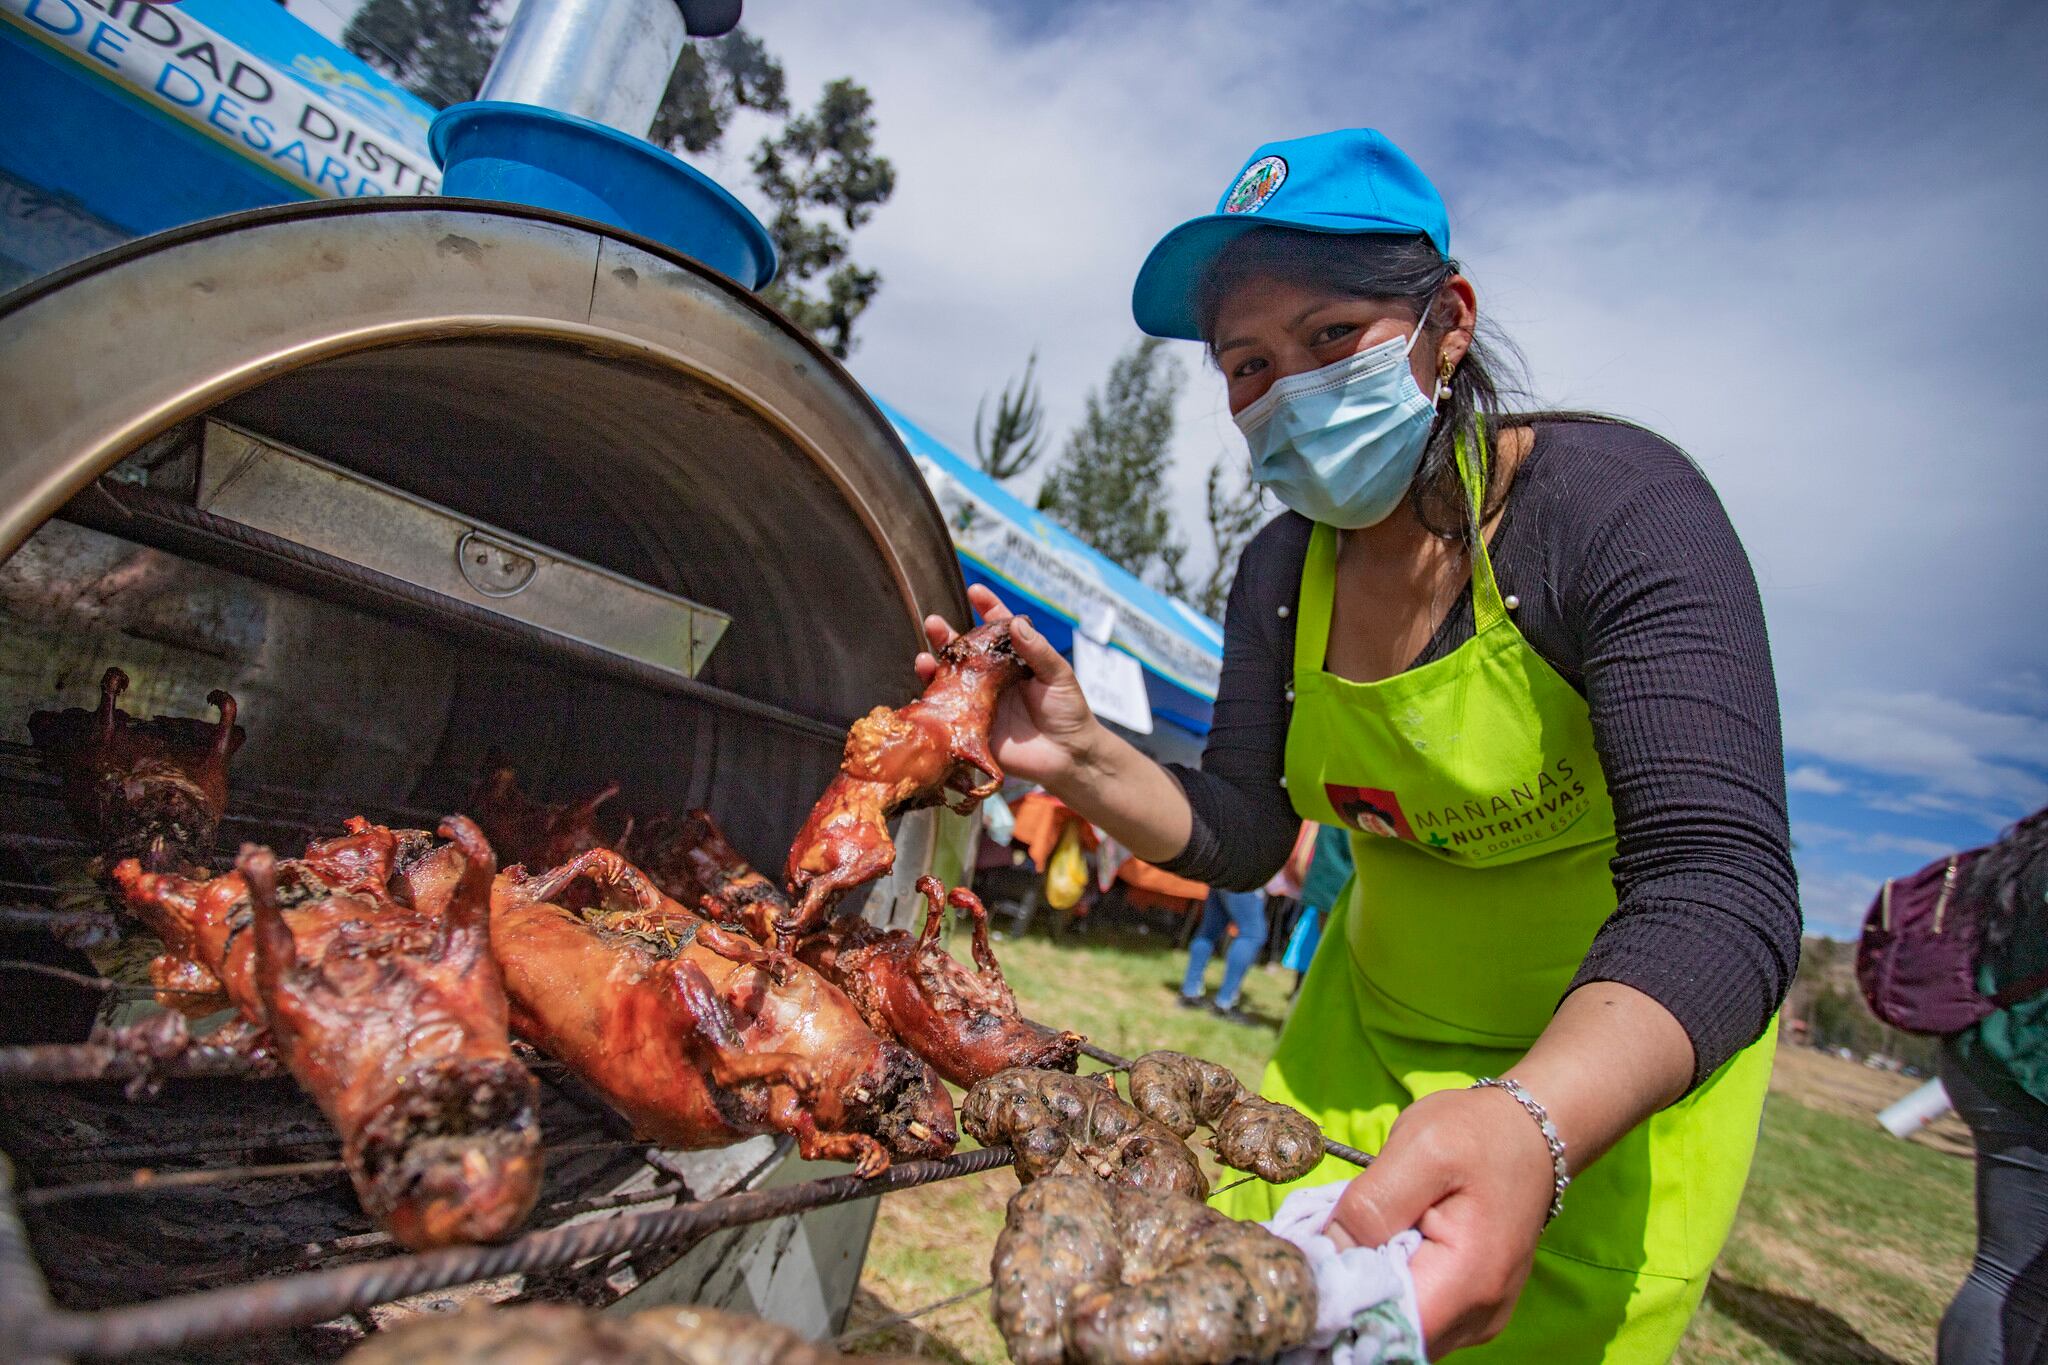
[1847,1249]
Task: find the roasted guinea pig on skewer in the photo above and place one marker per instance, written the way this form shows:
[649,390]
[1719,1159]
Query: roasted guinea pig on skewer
[147,789]
[964,1022]
[934,749]
[697,1034]
[391,1016]
[536,834]
[690,859]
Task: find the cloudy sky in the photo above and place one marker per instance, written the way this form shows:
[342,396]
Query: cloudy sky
[1802,240]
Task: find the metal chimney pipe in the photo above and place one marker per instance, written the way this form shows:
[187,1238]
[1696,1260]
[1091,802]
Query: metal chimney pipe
[605,60]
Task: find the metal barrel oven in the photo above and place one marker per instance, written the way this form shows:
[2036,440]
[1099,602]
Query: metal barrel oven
[424,482]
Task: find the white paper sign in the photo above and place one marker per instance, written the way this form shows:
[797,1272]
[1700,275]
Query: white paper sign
[1098,621]
[1113,683]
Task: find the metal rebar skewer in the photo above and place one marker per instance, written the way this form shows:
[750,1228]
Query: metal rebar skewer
[269,1305]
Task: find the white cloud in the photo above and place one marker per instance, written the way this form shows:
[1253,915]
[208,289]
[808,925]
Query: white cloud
[1954,749]
[1811,777]
[1834,901]
[1811,834]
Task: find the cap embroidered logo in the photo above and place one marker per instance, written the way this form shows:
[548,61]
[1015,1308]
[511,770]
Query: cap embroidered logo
[1256,185]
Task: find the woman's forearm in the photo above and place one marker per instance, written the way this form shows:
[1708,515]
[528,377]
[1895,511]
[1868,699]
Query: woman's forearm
[1131,798]
[1610,1058]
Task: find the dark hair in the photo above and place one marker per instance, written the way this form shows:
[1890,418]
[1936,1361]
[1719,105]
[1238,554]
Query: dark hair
[2011,877]
[1412,270]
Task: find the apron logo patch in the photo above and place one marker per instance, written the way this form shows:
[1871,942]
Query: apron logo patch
[1369,810]
[1527,813]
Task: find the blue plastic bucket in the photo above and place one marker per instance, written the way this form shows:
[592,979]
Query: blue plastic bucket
[524,154]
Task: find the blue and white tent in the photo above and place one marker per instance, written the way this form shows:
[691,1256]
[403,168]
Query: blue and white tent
[1039,567]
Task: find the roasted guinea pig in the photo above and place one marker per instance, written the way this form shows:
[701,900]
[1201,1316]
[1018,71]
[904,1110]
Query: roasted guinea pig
[1103,1275]
[147,789]
[691,859]
[558,1334]
[965,1023]
[1270,1140]
[391,1016]
[935,749]
[697,1034]
[536,834]
[1078,1125]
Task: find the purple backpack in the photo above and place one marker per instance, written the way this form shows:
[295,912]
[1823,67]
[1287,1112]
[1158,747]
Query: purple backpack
[1917,962]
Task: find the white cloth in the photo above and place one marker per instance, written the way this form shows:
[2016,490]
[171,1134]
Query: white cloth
[1365,1298]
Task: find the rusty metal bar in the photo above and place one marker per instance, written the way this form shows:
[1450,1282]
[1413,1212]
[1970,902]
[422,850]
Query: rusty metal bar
[118,1059]
[39,919]
[145,1183]
[241,1140]
[270,1305]
[881,1325]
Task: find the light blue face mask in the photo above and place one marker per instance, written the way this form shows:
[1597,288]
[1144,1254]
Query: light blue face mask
[1341,444]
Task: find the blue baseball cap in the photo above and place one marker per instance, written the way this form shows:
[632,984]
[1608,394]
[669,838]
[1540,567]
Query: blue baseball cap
[1350,182]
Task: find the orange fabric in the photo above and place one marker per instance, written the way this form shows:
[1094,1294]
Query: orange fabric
[1040,818]
[1142,876]
[1141,899]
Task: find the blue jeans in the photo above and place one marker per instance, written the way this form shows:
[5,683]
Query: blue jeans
[2000,1315]
[1245,909]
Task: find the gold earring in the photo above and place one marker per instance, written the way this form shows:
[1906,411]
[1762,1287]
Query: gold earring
[1444,366]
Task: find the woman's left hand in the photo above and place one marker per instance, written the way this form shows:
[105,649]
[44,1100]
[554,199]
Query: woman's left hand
[1472,1173]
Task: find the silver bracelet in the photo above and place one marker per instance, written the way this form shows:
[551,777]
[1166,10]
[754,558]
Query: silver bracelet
[1551,1139]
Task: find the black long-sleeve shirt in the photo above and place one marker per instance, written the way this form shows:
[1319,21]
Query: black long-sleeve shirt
[1632,584]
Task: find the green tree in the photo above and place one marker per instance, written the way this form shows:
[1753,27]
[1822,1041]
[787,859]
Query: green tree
[819,170]
[824,160]
[438,49]
[1017,439]
[1234,514]
[714,80]
[1109,486]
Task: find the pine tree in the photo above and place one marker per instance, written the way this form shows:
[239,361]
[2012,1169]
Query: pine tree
[438,49]
[1109,487]
[821,161]
[1017,439]
[824,160]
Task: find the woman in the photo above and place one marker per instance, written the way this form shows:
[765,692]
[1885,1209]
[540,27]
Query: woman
[1526,654]
[1996,1073]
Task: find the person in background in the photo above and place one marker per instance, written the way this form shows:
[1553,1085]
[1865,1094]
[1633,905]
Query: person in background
[1283,892]
[1996,1074]
[1329,874]
[1246,910]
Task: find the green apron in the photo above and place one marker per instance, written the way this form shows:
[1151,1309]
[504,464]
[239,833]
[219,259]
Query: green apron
[1482,831]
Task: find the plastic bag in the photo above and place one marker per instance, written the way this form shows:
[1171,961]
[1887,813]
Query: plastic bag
[1066,872]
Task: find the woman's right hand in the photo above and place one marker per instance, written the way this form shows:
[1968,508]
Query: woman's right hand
[1044,729]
